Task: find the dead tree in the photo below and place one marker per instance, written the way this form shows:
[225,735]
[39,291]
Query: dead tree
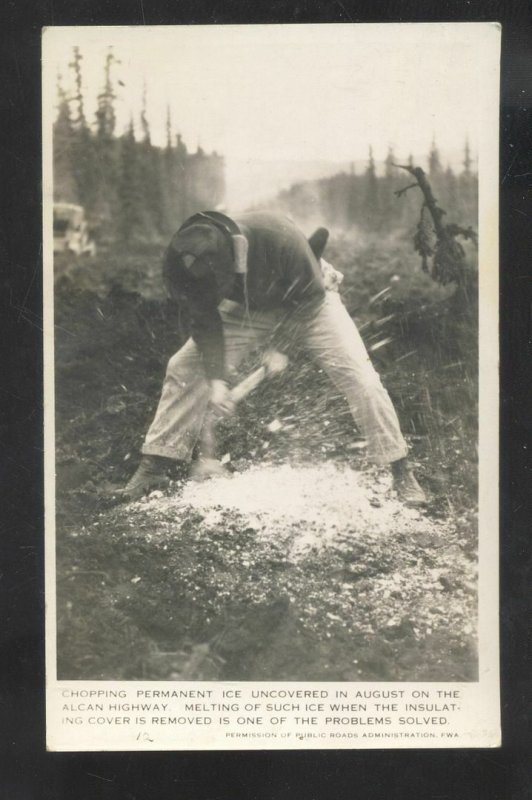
[442,256]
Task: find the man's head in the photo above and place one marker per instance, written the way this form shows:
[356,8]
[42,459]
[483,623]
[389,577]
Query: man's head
[200,253]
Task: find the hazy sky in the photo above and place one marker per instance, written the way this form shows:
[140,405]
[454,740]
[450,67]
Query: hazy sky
[294,92]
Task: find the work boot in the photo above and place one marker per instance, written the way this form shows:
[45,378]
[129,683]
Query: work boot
[405,484]
[153,472]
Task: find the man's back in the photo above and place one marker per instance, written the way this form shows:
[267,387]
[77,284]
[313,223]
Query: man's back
[282,269]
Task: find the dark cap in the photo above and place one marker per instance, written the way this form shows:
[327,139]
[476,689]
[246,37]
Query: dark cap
[202,248]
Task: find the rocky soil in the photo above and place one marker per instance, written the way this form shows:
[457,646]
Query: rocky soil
[301,563]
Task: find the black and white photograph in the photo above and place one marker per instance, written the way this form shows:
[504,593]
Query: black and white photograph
[271,331]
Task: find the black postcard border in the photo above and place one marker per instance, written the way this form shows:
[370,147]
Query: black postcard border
[26,770]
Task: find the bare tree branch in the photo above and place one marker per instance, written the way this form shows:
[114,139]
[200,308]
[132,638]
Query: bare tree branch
[402,191]
[448,255]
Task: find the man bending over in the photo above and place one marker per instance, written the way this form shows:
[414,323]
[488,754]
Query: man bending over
[251,282]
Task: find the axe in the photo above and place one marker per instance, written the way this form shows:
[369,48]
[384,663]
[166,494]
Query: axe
[208,465]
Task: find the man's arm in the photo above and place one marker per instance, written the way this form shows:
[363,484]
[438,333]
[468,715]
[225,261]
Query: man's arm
[207,331]
[199,297]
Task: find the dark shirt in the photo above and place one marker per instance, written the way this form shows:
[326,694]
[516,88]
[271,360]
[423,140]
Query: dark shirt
[282,273]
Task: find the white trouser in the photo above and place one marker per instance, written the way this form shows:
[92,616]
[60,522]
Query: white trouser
[328,333]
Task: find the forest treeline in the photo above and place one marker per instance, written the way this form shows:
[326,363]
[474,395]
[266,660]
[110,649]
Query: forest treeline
[135,191]
[368,200]
[131,189]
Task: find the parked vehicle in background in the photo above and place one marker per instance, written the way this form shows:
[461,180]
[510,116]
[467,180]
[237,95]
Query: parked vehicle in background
[71,231]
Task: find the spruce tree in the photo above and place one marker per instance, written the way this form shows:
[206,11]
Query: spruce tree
[467,158]
[183,185]
[388,208]
[468,189]
[105,112]
[130,215]
[371,214]
[106,147]
[150,177]
[167,167]
[450,199]
[434,161]
[353,198]
[83,157]
[65,188]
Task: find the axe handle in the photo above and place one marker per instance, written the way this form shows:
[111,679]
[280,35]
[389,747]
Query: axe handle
[248,384]
[208,433]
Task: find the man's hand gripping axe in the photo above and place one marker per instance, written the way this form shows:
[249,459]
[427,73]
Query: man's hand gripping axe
[208,465]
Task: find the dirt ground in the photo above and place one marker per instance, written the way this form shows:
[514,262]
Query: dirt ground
[300,564]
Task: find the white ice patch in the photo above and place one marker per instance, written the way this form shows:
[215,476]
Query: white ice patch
[307,507]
